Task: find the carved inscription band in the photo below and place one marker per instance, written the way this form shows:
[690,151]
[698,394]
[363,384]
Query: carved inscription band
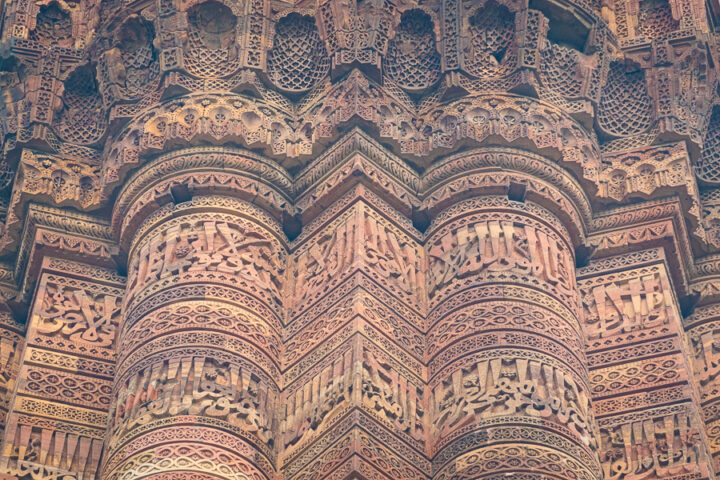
[198,373]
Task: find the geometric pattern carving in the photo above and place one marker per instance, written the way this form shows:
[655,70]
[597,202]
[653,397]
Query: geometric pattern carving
[625,107]
[655,19]
[82,120]
[493,49]
[298,59]
[562,70]
[708,166]
[212,51]
[359,239]
[413,61]
[53,25]
[131,69]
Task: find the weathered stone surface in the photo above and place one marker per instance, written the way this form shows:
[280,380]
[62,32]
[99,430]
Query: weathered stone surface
[358,239]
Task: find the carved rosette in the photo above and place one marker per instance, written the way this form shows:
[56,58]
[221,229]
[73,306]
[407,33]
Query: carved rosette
[508,379]
[197,382]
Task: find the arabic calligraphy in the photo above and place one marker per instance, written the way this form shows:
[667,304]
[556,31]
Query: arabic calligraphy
[659,447]
[79,315]
[498,246]
[209,245]
[506,387]
[197,386]
[626,304]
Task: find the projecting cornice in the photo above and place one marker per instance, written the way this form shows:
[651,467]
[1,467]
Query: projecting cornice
[657,220]
[360,238]
[591,112]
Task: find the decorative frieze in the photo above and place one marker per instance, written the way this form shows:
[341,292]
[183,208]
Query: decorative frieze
[356,239]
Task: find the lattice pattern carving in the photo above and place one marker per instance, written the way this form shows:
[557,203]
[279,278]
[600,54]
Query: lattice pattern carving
[298,60]
[625,107]
[140,69]
[211,48]
[82,120]
[708,167]
[492,50]
[561,70]
[53,25]
[655,19]
[412,60]
[356,31]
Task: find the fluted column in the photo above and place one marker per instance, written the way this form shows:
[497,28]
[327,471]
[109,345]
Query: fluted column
[507,373]
[198,365]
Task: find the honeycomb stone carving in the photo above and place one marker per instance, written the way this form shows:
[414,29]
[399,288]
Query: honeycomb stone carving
[625,107]
[132,62]
[82,120]
[708,166]
[562,70]
[412,60]
[298,60]
[493,47]
[212,25]
[53,25]
[656,19]
[211,40]
[356,33]
[359,239]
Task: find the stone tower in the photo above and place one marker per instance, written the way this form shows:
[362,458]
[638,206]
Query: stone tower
[359,240]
